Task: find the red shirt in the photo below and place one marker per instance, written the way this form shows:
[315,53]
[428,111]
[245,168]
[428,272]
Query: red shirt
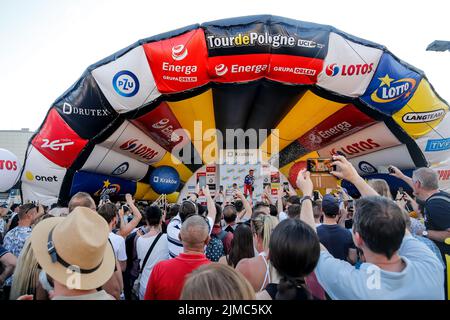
[167,279]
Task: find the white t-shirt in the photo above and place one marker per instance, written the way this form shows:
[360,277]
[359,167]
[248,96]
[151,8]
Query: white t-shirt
[118,244]
[159,253]
[173,230]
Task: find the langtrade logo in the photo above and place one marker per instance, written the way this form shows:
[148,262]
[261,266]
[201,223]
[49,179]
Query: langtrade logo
[125,83]
[391,89]
[31,177]
[423,117]
[179,52]
[137,148]
[348,69]
[263,39]
[221,69]
[56,145]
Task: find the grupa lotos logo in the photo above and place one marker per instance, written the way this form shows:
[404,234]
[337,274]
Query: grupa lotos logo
[221,69]
[125,83]
[332,70]
[56,145]
[179,52]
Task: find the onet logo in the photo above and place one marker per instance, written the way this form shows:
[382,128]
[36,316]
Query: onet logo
[179,52]
[30,176]
[56,145]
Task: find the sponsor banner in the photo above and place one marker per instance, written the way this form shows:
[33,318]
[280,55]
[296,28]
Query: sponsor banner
[34,193]
[422,113]
[127,82]
[343,123]
[211,174]
[436,144]
[108,162]
[132,142]
[85,108]
[42,173]
[238,68]
[160,125]
[293,69]
[371,139]
[98,184]
[373,163]
[178,63]
[257,38]
[57,141]
[348,67]
[443,172]
[392,86]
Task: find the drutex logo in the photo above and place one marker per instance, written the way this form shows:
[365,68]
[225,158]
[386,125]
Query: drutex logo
[391,89]
[263,39]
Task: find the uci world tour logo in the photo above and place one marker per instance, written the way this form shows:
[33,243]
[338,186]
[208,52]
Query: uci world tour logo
[391,89]
[126,83]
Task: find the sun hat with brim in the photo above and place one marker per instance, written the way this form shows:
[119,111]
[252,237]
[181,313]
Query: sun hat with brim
[75,250]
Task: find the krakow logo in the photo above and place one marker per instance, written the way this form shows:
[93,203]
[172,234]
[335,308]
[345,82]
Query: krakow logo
[56,145]
[179,52]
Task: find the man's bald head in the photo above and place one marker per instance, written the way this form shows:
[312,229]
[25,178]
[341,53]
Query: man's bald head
[82,199]
[194,233]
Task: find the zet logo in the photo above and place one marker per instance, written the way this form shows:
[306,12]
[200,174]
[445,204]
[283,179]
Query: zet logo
[179,52]
[56,145]
[391,89]
[332,70]
[121,169]
[30,177]
[221,69]
[126,83]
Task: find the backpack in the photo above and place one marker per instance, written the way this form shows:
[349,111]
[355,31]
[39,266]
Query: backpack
[215,248]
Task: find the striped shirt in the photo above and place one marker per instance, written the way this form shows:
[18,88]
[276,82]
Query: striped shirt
[173,231]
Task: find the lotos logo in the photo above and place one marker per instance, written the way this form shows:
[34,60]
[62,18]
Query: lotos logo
[423,117]
[121,169]
[32,177]
[179,52]
[107,189]
[56,145]
[391,89]
[349,69]
[139,149]
[126,83]
[8,165]
[332,70]
[221,69]
[357,147]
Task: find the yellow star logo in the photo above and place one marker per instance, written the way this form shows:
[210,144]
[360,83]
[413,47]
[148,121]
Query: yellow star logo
[106,183]
[385,80]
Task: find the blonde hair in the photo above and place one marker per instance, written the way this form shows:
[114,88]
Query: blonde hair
[216,281]
[26,274]
[381,187]
[263,226]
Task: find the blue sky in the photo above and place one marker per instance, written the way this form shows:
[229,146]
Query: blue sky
[47,44]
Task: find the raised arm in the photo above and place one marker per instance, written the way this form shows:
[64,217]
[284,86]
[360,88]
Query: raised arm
[125,229]
[345,170]
[210,204]
[247,208]
[398,174]
[304,183]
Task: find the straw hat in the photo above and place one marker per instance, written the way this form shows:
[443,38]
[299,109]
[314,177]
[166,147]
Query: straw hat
[75,250]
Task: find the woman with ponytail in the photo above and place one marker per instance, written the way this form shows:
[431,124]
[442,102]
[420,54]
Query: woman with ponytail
[294,251]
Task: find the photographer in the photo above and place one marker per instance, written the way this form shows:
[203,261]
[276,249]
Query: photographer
[397,265]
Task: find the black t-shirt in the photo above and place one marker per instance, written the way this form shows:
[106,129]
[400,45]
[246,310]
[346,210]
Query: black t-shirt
[336,239]
[437,216]
[302,294]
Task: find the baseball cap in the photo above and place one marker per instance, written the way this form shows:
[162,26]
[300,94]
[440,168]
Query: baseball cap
[330,205]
